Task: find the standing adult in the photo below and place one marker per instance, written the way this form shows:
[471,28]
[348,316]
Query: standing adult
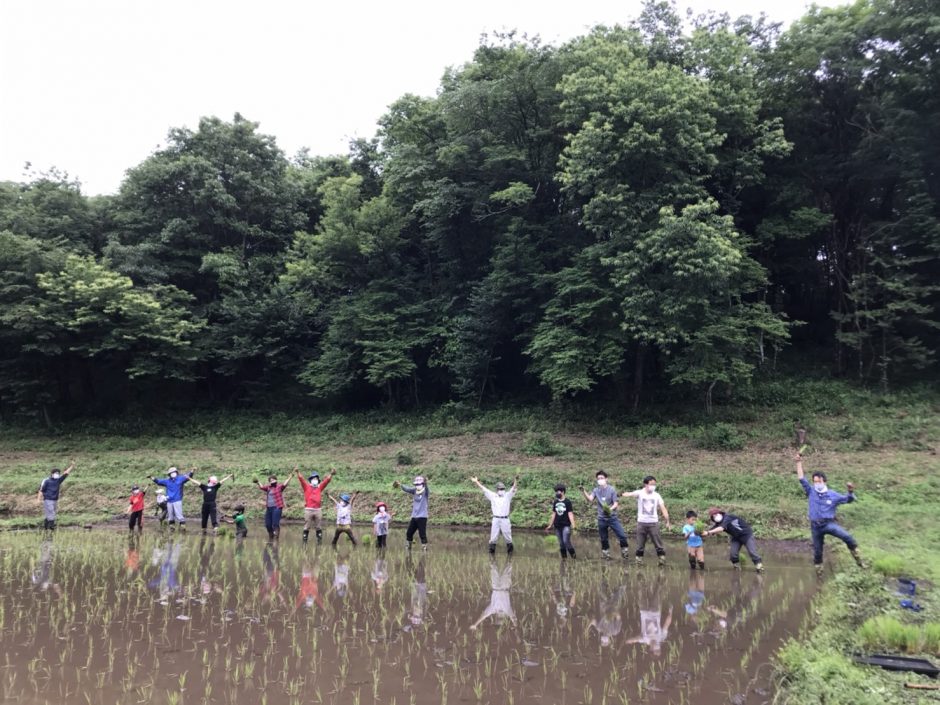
[313,501]
[500,503]
[419,510]
[648,506]
[606,497]
[273,504]
[49,490]
[823,503]
[174,494]
[210,510]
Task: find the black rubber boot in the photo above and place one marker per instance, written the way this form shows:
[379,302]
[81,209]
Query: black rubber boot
[571,553]
[701,565]
[692,562]
[492,549]
[306,535]
[319,536]
[563,552]
[509,549]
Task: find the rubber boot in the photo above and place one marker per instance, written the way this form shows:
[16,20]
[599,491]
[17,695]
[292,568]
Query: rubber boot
[183,527]
[408,545]
[492,549]
[819,570]
[270,535]
[306,535]
[564,553]
[319,536]
[509,549]
[692,562]
[424,547]
[736,566]
[759,567]
[858,558]
[52,525]
[571,553]
[701,565]
[605,553]
[662,559]
[624,553]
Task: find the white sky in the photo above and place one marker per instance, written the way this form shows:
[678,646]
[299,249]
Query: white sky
[92,86]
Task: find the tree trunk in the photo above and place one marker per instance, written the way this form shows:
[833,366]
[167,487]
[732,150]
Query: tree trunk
[638,369]
[708,398]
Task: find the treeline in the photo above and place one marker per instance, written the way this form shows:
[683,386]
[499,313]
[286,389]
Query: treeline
[642,211]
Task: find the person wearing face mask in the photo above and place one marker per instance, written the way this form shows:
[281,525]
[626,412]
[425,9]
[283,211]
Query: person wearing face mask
[313,501]
[606,498]
[822,514]
[419,510]
[210,491]
[648,506]
[49,495]
[562,520]
[380,523]
[174,494]
[344,507]
[273,504]
[135,510]
[741,534]
[500,502]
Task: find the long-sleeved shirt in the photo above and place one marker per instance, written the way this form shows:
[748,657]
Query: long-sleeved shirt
[137,502]
[822,505]
[275,494]
[174,486]
[313,498]
[419,504]
[735,526]
[50,487]
[500,503]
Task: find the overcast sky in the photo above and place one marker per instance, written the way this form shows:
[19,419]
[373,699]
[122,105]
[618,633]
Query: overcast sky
[92,86]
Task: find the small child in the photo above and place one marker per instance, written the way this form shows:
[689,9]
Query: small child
[135,508]
[693,541]
[160,509]
[380,524]
[344,516]
[238,519]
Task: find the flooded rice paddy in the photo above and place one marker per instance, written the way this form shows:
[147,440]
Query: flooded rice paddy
[98,618]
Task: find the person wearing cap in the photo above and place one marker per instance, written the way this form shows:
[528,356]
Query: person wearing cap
[160,509]
[174,494]
[135,510]
[343,516]
[313,501]
[823,504]
[273,504]
[741,534]
[500,503]
[49,495]
[562,520]
[606,497]
[210,491]
[380,523]
[419,510]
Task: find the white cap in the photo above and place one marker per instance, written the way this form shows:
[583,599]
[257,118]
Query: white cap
[173,469]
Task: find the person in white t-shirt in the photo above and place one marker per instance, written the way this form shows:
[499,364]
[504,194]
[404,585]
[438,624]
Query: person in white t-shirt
[648,506]
[500,502]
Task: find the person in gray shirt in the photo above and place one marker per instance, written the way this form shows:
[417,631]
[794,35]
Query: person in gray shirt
[419,510]
[606,497]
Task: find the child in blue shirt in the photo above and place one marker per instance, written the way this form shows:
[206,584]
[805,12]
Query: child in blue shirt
[693,541]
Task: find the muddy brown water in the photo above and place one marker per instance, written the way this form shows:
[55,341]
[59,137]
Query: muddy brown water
[93,617]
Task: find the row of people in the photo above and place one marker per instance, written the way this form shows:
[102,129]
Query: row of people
[822,503]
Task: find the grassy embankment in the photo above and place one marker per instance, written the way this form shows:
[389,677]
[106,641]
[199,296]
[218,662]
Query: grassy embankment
[741,459]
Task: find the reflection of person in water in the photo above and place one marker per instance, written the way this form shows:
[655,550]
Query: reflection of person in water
[341,576]
[742,605]
[42,576]
[132,560]
[167,583]
[608,621]
[500,602]
[206,550]
[380,572]
[653,630]
[270,590]
[418,612]
[696,596]
[563,595]
[309,594]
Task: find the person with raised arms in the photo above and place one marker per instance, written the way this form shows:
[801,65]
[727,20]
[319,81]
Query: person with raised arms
[49,495]
[313,501]
[419,510]
[500,503]
[174,494]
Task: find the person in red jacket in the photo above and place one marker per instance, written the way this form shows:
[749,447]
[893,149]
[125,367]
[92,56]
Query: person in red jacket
[135,508]
[313,502]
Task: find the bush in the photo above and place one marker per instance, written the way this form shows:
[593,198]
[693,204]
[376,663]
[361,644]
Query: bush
[892,566]
[406,457]
[540,444]
[720,436]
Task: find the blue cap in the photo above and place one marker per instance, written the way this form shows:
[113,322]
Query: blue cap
[345,497]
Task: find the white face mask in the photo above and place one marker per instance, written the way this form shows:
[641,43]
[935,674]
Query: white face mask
[382,511]
[172,475]
[819,487]
[602,482]
[314,482]
[651,488]
[419,489]
[55,476]
[717,518]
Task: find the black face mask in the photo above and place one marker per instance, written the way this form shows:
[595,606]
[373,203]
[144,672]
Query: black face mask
[559,495]
[273,483]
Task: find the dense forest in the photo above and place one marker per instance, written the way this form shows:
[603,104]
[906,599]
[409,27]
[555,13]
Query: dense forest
[668,208]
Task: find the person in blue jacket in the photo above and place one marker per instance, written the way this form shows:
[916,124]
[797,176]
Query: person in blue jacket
[822,513]
[174,494]
[49,495]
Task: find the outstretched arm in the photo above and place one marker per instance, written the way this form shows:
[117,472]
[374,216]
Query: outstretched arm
[632,493]
[69,468]
[225,479]
[588,497]
[476,481]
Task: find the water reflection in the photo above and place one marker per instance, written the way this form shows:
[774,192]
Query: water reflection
[309,594]
[42,575]
[607,620]
[500,605]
